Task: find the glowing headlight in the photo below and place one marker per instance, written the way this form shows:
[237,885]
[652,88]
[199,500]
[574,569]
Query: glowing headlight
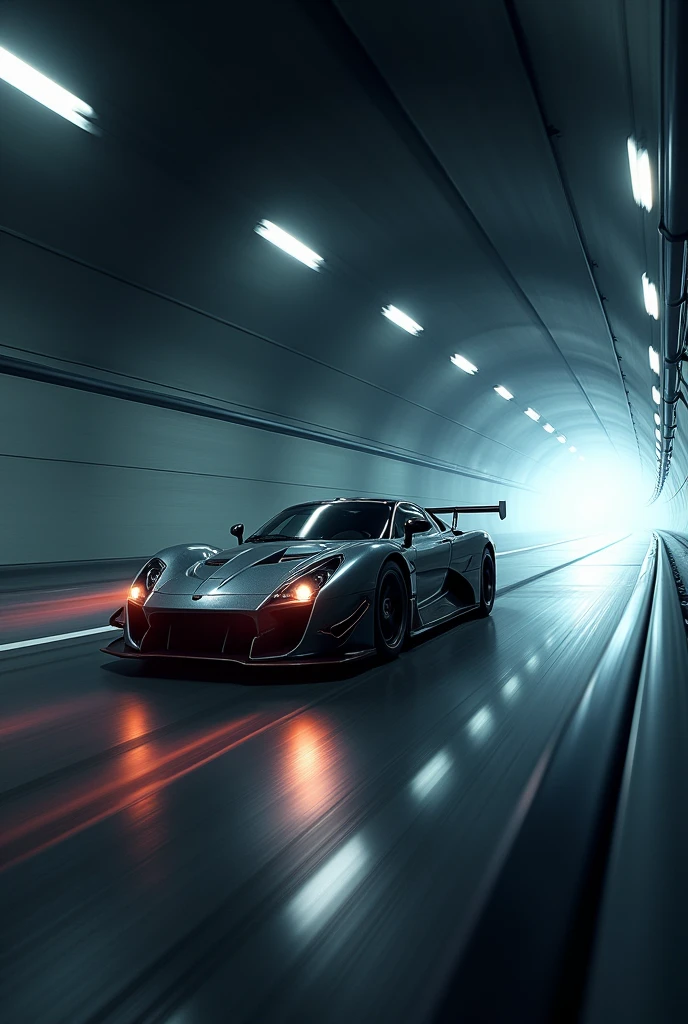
[307,586]
[146,580]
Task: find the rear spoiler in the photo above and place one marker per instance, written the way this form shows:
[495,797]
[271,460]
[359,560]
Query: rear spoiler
[456,509]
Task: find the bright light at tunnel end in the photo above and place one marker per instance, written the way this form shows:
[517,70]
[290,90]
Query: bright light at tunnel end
[503,392]
[283,240]
[464,364]
[401,319]
[31,82]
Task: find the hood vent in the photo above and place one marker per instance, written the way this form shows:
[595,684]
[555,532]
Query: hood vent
[216,561]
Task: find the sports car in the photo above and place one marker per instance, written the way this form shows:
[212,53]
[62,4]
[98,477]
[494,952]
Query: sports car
[323,581]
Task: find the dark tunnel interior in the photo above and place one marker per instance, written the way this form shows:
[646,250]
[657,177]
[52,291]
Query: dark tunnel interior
[428,260]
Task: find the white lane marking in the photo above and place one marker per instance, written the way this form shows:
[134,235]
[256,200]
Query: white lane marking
[533,547]
[54,639]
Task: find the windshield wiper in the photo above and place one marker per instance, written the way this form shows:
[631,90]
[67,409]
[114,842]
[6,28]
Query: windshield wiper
[271,536]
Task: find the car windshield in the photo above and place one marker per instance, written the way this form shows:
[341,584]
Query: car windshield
[340,520]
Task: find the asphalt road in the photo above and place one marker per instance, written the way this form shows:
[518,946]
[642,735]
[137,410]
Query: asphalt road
[199,843]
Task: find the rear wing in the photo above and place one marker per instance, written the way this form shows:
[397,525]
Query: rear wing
[456,509]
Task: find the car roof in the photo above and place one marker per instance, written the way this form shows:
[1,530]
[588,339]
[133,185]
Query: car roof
[331,501]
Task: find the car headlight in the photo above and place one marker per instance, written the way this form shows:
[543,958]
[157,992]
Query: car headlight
[146,580]
[304,588]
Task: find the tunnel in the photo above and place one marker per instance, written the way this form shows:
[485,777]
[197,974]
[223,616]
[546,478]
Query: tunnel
[418,271]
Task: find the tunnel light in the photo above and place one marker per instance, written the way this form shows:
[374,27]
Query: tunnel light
[641,176]
[283,240]
[25,78]
[573,448]
[549,428]
[504,393]
[561,438]
[463,364]
[654,360]
[650,296]
[658,435]
[533,415]
[401,320]
[656,397]
[657,419]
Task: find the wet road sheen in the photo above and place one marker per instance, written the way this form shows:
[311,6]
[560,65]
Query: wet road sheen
[197,843]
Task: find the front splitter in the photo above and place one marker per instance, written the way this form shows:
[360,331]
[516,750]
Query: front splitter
[119,649]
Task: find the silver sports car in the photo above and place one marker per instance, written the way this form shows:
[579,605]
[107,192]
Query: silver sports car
[323,581]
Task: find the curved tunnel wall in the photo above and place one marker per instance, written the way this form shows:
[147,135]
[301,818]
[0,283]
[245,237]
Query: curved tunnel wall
[130,265]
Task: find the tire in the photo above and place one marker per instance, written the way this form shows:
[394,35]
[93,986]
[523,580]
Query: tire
[392,613]
[488,583]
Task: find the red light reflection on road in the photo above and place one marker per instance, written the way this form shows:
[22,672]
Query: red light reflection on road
[130,776]
[136,762]
[312,765]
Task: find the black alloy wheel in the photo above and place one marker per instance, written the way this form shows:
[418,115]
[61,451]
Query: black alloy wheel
[391,611]
[488,583]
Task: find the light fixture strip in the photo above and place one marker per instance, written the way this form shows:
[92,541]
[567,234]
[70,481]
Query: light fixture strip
[650,297]
[31,82]
[464,364]
[283,240]
[401,319]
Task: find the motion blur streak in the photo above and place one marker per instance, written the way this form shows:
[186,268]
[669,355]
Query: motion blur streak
[46,611]
[50,714]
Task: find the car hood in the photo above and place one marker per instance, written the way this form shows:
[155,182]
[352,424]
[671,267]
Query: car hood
[252,568]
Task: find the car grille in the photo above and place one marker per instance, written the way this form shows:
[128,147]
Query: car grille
[228,634]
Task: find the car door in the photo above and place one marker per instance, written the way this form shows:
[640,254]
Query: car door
[430,554]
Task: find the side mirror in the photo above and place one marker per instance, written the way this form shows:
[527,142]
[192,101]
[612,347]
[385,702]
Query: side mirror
[238,532]
[412,526]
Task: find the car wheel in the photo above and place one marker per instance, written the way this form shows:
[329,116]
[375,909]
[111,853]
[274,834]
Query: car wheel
[488,581]
[391,611]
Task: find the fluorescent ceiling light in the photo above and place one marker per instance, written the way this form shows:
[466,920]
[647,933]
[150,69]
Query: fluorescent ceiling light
[504,393]
[38,87]
[654,359]
[401,320]
[657,419]
[656,397]
[549,428]
[650,296]
[463,364]
[641,176]
[573,448]
[283,240]
[658,435]
[561,438]
[533,415]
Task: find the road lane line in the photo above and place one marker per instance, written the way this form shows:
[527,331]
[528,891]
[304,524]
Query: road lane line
[551,544]
[54,639]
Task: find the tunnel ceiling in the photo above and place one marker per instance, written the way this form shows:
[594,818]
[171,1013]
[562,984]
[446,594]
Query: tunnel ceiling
[464,162]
